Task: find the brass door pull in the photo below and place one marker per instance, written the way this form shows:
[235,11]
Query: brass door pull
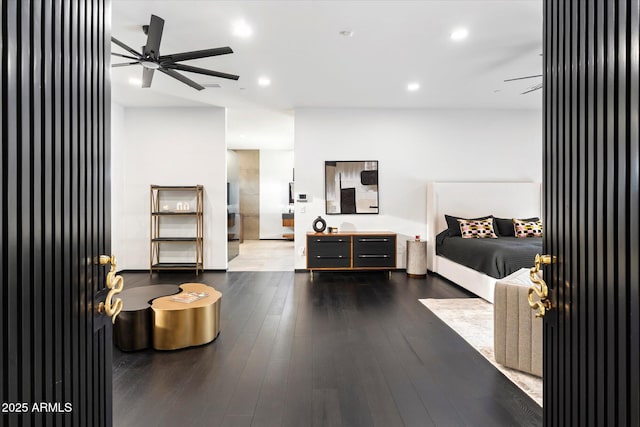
[540,288]
[115,284]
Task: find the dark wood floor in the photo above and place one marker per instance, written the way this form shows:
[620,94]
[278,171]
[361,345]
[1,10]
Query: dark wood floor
[346,349]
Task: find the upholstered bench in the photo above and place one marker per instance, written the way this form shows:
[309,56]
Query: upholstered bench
[517,334]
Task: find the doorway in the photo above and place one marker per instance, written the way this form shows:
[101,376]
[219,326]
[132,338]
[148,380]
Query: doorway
[260,210]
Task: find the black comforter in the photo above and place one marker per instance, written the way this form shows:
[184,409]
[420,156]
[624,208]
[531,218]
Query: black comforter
[494,257]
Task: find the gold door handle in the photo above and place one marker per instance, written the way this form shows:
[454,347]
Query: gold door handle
[115,284]
[540,287]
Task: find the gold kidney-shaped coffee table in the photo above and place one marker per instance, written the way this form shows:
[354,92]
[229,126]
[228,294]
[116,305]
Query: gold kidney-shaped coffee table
[180,324]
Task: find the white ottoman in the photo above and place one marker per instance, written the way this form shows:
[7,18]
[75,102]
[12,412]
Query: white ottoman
[517,334]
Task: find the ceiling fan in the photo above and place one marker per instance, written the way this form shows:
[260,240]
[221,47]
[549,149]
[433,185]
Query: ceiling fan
[151,60]
[530,89]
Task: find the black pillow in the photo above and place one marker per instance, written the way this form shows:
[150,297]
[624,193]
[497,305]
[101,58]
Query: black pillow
[505,225]
[454,226]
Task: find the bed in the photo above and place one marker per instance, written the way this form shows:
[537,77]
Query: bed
[472,200]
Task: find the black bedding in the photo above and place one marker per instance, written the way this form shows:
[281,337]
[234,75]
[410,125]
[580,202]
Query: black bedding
[494,257]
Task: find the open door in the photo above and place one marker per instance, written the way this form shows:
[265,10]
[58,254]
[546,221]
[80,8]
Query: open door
[55,213]
[591,138]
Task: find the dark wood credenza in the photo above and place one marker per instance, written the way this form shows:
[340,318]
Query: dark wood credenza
[351,251]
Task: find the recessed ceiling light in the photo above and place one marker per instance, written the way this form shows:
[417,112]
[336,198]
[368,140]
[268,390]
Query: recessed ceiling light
[264,81]
[135,81]
[459,34]
[242,29]
[346,33]
[412,87]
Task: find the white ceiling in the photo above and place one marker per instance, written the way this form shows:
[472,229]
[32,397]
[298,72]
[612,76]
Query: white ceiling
[298,46]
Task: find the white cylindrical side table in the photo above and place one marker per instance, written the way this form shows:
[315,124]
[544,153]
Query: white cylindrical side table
[417,259]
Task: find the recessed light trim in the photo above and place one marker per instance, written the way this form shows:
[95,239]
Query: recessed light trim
[264,81]
[346,33]
[242,29]
[459,34]
[412,87]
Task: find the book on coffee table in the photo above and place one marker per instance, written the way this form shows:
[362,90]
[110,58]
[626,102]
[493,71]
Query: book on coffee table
[188,297]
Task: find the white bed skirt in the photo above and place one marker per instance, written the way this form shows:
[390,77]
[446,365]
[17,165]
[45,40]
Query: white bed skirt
[468,278]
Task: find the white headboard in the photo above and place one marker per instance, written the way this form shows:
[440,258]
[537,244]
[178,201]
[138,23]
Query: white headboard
[474,199]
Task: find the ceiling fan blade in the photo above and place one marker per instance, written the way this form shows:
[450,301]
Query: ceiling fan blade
[180,77]
[205,53]
[124,56]
[522,78]
[199,70]
[147,76]
[124,64]
[532,88]
[125,47]
[154,35]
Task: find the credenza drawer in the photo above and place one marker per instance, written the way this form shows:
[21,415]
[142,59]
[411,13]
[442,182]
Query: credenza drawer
[329,245]
[374,245]
[320,239]
[374,251]
[328,251]
[328,261]
[374,260]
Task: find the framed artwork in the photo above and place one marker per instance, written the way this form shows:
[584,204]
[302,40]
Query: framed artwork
[351,187]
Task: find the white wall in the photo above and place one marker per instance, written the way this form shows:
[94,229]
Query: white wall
[167,146]
[118,147]
[412,147]
[276,172]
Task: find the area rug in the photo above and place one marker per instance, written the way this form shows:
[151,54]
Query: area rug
[472,319]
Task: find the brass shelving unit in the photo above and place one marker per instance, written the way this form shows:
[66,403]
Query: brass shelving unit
[164,205]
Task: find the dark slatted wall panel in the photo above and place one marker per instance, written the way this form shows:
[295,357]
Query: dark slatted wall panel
[591,143]
[54,211]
